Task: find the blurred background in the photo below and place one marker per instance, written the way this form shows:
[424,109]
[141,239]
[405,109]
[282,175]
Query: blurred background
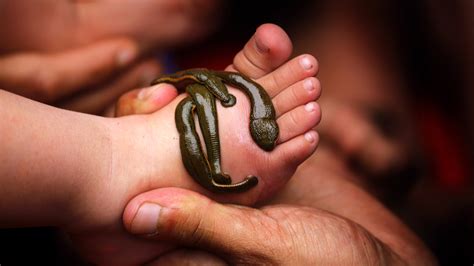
[407,66]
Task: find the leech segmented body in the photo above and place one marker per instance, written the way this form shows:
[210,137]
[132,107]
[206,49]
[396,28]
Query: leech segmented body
[193,156]
[204,86]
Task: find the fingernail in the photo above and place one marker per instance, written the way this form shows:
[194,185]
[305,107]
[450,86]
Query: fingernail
[145,93]
[310,107]
[308,85]
[126,56]
[146,219]
[260,47]
[310,136]
[306,63]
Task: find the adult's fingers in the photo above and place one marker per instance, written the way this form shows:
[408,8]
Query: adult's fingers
[240,235]
[193,220]
[359,139]
[48,77]
[324,182]
[97,98]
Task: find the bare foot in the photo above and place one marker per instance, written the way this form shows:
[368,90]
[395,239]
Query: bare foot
[266,51]
[153,159]
[296,115]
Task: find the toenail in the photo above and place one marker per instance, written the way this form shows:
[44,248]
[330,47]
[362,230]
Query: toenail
[308,85]
[310,107]
[310,136]
[306,63]
[146,93]
[146,220]
[260,47]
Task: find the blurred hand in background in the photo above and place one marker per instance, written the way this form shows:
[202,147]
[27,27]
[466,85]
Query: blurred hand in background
[82,55]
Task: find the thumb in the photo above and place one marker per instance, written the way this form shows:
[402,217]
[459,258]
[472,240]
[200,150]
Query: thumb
[48,77]
[190,219]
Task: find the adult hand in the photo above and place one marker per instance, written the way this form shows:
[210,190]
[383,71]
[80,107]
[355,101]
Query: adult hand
[378,142]
[279,234]
[81,51]
[379,146]
[157,24]
[367,109]
[87,72]
[340,223]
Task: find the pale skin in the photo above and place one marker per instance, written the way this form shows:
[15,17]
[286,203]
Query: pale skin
[327,218]
[81,170]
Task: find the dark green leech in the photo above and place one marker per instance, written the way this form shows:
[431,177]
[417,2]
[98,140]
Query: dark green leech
[263,126]
[202,76]
[207,114]
[191,151]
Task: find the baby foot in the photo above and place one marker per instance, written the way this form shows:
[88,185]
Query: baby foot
[292,89]
[146,151]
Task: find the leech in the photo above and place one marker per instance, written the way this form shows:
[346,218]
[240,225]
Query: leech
[204,86]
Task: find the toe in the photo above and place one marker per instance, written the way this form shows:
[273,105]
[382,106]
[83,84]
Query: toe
[298,149]
[268,48]
[146,100]
[297,94]
[291,72]
[292,153]
[288,156]
[298,121]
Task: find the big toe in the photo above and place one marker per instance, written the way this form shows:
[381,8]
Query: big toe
[268,48]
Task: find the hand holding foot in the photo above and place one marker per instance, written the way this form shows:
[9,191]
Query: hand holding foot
[240,235]
[298,91]
[154,151]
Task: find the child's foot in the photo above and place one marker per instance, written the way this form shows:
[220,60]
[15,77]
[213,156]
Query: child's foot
[147,155]
[292,89]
